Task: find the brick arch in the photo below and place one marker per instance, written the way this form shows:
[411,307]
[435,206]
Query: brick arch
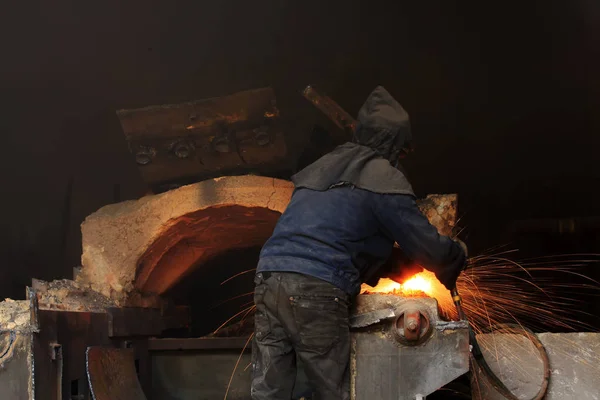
[148,245]
[198,237]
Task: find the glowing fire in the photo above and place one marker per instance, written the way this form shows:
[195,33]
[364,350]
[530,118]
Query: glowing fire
[422,283]
[418,283]
[385,285]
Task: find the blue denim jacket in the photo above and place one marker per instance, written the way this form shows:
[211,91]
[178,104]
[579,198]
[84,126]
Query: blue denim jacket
[338,234]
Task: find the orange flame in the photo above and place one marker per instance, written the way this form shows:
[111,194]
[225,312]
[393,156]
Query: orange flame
[423,283]
[419,283]
[385,285]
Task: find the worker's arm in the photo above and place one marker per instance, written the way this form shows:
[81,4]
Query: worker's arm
[401,218]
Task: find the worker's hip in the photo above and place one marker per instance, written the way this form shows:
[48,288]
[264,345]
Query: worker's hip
[346,278]
[313,313]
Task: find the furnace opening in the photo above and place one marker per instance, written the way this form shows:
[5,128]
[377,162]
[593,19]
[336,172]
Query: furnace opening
[213,302]
[190,261]
[195,238]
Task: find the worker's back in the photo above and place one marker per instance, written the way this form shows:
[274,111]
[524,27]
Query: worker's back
[339,234]
[348,209]
[353,203]
[332,235]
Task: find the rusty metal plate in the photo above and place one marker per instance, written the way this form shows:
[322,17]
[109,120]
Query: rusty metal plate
[202,343]
[383,369]
[332,110]
[134,321]
[385,365]
[183,143]
[112,375]
[16,374]
[123,322]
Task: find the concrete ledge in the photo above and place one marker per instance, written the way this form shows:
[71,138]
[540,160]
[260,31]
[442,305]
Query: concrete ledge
[574,362]
[117,236]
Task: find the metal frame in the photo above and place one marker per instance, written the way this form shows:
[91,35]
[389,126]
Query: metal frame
[205,343]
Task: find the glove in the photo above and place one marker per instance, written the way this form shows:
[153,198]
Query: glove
[449,275]
[405,272]
[398,267]
[464,247]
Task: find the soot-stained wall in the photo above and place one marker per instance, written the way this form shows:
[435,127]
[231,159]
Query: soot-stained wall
[502,99]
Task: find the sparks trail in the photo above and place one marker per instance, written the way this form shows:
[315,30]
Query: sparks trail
[497,290]
[237,363]
[238,274]
[239,296]
[245,310]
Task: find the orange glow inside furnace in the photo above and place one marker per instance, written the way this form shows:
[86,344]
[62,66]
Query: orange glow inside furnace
[422,283]
[419,285]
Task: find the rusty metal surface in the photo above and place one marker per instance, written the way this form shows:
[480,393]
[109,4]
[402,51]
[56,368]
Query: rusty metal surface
[43,352]
[370,318]
[134,321]
[514,358]
[183,375]
[60,353]
[232,343]
[441,211]
[182,143]
[368,304]
[16,372]
[331,109]
[123,322]
[403,372]
[75,332]
[68,295]
[18,325]
[201,375]
[112,375]
[411,324]
[382,352]
[176,317]
[48,356]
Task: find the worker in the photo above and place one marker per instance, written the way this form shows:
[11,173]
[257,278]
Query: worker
[347,211]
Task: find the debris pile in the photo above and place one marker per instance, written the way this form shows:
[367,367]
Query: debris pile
[67,295]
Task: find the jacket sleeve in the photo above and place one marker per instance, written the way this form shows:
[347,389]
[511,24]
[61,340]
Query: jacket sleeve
[402,220]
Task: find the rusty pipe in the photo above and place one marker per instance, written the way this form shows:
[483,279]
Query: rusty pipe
[331,109]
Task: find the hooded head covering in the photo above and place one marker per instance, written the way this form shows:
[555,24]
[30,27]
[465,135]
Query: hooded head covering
[371,161]
[383,125]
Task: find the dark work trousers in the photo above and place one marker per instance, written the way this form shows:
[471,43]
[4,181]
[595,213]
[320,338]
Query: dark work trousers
[299,317]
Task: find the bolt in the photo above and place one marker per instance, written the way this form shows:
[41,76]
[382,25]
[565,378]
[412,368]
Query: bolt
[221,145]
[144,155]
[262,138]
[412,326]
[182,150]
[55,351]
[142,159]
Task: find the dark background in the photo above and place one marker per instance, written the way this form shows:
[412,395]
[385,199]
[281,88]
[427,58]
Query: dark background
[503,98]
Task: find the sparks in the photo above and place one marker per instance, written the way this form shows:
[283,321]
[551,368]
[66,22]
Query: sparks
[496,289]
[541,293]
